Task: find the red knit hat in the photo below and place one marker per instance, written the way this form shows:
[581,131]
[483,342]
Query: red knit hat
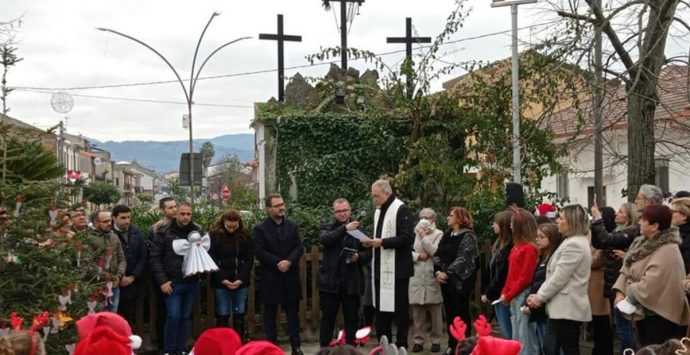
[259,347]
[488,345]
[105,341]
[108,319]
[217,341]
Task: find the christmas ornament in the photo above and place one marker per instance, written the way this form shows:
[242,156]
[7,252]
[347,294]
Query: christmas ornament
[80,248]
[46,243]
[60,321]
[46,331]
[70,348]
[18,206]
[53,215]
[92,306]
[108,293]
[12,259]
[65,300]
[16,321]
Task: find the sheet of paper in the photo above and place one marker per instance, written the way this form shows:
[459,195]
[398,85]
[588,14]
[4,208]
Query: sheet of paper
[358,234]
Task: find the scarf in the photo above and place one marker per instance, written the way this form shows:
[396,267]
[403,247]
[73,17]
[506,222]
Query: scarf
[642,247]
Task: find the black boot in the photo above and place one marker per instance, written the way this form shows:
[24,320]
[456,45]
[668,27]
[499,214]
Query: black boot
[222,321]
[238,325]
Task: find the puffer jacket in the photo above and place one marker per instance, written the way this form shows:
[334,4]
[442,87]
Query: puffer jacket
[424,288]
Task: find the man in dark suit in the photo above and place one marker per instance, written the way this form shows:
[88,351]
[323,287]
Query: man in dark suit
[278,247]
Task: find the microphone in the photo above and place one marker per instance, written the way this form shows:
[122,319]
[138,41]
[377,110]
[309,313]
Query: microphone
[361,215]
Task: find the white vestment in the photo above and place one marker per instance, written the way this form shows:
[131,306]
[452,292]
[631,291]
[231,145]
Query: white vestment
[386,274]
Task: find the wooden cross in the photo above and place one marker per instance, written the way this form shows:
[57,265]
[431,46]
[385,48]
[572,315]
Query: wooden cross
[343,29]
[408,40]
[281,38]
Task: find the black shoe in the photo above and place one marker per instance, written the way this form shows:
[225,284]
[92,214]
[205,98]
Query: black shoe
[435,348]
[297,351]
[417,348]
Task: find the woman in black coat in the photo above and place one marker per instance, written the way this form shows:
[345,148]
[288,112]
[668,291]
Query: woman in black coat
[232,251]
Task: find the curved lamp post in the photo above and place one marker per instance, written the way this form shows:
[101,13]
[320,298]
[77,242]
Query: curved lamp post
[188,92]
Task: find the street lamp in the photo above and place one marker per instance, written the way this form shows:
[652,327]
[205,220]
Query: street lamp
[188,93]
[517,160]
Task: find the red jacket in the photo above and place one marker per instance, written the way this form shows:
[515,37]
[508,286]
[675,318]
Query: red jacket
[521,263]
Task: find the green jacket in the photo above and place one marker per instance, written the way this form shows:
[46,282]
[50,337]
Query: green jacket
[102,244]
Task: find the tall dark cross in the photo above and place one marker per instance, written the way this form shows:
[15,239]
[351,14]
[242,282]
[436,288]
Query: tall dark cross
[281,38]
[343,29]
[408,40]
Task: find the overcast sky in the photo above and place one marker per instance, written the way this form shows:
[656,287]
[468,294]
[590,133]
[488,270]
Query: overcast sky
[62,49]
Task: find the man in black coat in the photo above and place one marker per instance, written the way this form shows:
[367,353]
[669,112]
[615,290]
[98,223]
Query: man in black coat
[137,257]
[341,274]
[179,292]
[278,247]
[392,264]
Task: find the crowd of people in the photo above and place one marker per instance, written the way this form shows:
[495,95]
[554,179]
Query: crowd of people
[548,273]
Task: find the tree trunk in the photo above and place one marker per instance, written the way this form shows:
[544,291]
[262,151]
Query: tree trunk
[642,103]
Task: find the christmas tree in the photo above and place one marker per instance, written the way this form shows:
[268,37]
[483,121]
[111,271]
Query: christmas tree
[41,269]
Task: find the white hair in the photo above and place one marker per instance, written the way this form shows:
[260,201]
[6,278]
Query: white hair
[652,193]
[383,185]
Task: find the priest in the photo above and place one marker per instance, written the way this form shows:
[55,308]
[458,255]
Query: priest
[392,264]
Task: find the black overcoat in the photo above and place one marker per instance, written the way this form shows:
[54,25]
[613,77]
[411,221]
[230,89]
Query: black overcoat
[272,243]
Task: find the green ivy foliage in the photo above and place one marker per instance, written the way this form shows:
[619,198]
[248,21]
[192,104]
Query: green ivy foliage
[330,156]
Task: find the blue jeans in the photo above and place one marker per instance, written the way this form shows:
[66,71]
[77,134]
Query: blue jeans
[523,331]
[230,301]
[625,331]
[179,306]
[503,317]
[115,301]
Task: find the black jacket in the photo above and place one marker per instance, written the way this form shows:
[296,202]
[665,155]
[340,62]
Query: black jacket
[458,256]
[137,256]
[273,243]
[234,258]
[609,241]
[538,314]
[684,231]
[165,264]
[402,242]
[334,270]
[494,277]
[620,240]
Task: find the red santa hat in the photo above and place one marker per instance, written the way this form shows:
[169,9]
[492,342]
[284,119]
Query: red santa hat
[104,340]
[86,325]
[260,347]
[546,209]
[217,341]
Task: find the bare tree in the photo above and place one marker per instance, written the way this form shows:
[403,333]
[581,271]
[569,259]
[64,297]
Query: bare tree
[637,33]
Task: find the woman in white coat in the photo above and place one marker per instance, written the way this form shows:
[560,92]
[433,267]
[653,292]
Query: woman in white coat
[565,290]
[425,291]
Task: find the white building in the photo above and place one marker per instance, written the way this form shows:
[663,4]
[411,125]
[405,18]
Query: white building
[672,153]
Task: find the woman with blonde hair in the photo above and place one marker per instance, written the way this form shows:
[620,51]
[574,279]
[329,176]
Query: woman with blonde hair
[565,290]
[22,343]
[681,220]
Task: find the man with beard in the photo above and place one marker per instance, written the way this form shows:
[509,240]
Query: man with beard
[278,247]
[179,292]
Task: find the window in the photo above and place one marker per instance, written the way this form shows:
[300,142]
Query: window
[661,177]
[562,186]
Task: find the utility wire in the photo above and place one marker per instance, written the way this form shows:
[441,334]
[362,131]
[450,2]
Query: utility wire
[465,39]
[140,100]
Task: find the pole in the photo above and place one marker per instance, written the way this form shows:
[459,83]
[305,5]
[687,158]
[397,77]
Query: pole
[343,35]
[281,63]
[517,161]
[598,116]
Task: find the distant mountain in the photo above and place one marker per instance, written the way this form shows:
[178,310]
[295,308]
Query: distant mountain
[165,156]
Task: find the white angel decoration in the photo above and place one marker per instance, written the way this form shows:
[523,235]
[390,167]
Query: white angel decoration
[195,251]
